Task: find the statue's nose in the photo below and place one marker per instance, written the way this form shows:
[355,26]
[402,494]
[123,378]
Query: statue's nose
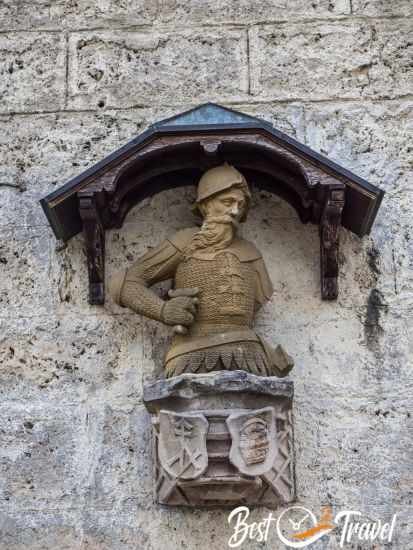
[235,211]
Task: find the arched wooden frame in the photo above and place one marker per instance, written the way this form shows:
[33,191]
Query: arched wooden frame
[176,161]
[169,156]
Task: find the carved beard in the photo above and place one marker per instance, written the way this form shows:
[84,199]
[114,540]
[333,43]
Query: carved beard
[215,234]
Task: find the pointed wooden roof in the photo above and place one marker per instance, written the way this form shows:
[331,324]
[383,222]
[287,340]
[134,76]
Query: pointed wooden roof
[362,198]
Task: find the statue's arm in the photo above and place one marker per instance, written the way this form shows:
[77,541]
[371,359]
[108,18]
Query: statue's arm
[263,284]
[130,288]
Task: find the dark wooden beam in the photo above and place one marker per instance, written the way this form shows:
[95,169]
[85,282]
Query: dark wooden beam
[94,235]
[330,225]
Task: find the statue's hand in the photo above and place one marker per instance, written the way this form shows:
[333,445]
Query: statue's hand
[181,308]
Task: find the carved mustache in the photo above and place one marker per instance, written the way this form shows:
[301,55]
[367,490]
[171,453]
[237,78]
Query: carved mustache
[225,218]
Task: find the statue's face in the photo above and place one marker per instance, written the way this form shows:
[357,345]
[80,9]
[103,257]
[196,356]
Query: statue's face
[228,203]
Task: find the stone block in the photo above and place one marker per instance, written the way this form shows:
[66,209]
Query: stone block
[403,263]
[390,253]
[246,12]
[123,470]
[347,448]
[138,68]
[39,530]
[370,139]
[302,61]
[25,259]
[33,73]
[382,8]
[130,528]
[19,206]
[41,152]
[118,13]
[73,357]
[42,448]
[288,118]
[321,360]
[390,71]
[124,530]
[356,386]
[388,337]
[58,14]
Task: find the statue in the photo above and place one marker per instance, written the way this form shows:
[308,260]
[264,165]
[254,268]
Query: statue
[221,421]
[220,281]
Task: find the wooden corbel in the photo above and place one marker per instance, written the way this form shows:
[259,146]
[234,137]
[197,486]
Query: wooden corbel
[94,235]
[330,224]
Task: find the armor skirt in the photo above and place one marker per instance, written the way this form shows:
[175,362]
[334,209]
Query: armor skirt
[248,356]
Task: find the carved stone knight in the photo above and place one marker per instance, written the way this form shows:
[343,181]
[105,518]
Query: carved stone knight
[220,281]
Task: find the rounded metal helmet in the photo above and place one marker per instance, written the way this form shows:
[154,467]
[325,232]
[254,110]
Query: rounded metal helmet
[221,178]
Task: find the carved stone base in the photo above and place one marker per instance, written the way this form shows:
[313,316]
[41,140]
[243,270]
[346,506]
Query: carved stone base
[222,439]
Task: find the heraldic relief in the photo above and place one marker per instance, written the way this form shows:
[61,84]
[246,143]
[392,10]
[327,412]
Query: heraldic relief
[222,418]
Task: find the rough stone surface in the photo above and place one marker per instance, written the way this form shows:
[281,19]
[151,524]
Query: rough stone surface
[380,8]
[304,61]
[33,67]
[189,386]
[39,151]
[138,68]
[75,459]
[79,14]
[244,11]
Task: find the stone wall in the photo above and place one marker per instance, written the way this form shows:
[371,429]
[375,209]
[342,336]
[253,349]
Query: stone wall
[80,78]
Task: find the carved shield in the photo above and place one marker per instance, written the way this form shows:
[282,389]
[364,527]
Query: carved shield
[254,441]
[182,444]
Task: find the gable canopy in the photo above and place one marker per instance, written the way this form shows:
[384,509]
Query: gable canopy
[176,151]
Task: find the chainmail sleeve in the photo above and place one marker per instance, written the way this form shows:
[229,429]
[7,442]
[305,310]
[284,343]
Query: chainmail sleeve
[131,288]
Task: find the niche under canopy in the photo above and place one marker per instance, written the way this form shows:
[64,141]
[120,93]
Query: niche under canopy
[176,151]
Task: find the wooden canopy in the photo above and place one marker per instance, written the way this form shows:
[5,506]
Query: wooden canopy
[176,151]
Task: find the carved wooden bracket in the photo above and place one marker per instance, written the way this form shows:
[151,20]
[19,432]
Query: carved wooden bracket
[94,235]
[330,225]
[175,152]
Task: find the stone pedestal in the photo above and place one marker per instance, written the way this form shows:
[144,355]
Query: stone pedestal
[222,439]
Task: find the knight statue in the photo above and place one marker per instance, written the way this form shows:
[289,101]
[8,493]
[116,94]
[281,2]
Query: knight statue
[219,282]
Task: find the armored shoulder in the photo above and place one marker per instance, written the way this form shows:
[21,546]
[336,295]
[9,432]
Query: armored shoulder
[246,251]
[183,237]
[158,264]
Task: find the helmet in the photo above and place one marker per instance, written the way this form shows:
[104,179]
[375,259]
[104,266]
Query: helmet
[220,179]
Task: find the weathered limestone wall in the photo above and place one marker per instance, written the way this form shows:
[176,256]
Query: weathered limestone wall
[80,78]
